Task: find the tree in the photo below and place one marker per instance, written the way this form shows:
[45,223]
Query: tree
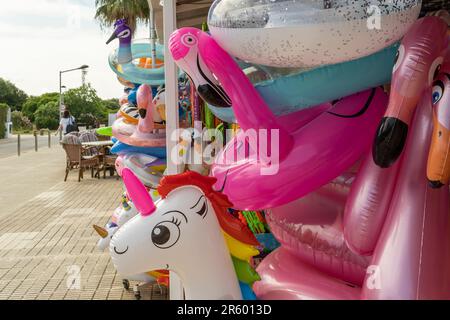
[33,103]
[47,116]
[84,100]
[3,114]
[111,105]
[11,95]
[108,11]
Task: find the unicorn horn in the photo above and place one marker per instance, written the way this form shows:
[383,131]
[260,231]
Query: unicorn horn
[101,231]
[145,108]
[138,193]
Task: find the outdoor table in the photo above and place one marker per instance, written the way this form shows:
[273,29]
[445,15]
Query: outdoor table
[97,143]
[101,145]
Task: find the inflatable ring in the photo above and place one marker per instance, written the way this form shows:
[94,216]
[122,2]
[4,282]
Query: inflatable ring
[121,148]
[305,33]
[300,90]
[142,167]
[130,113]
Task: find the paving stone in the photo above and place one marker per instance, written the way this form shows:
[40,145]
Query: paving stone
[56,257]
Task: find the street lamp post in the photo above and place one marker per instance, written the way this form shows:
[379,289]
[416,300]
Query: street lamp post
[84,66]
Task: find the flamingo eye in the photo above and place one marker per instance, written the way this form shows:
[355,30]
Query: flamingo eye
[166,233]
[189,40]
[434,69]
[399,58]
[438,91]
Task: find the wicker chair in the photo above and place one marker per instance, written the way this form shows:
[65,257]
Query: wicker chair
[89,136]
[77,157]
[109,163]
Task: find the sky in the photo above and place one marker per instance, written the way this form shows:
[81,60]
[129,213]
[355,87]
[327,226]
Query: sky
[38,38]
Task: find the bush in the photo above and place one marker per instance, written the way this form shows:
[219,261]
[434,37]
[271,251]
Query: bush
[47,116]
[3,114]
[20,122]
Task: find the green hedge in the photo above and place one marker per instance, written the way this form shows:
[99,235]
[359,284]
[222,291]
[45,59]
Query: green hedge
[47,116]
[3,114]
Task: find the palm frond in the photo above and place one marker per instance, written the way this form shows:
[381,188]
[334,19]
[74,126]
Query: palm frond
[108,11]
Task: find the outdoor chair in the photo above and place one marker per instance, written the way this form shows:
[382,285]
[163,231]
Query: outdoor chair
[77,157]
[88,136]
[109,162]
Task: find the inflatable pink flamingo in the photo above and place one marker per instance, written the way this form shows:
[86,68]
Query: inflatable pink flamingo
[411,259]
[412,256]
[308,156]
[418,60]
[144,133]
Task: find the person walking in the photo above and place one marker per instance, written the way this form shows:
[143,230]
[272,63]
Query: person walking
[67,124]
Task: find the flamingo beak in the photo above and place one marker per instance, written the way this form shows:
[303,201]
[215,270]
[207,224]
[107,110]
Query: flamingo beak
[142,113]
[101,231]
[113,36]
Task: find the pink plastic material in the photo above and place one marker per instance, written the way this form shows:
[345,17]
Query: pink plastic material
[145,103]
[143,134]
[138,193]
[310,153]
[420,54]
[318,155]
[311,229]
[119,164]
[286,277]
[418,60]
[411,259]
[367,205]
[309,156]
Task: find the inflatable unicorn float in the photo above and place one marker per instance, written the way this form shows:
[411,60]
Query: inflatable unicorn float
[192,234]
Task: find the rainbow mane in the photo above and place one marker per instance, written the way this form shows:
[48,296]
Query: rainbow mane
[240,240]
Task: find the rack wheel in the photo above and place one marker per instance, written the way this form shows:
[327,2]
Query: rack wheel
[137,293]
[126,284]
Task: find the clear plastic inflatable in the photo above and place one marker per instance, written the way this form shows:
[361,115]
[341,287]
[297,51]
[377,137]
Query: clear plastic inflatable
[308,33]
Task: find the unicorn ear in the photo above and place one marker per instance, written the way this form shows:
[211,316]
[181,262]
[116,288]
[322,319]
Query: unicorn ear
[138,193]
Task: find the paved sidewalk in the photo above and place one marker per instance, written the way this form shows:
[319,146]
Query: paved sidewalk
[8,147]
[47,243]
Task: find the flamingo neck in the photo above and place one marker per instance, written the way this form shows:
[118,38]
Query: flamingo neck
[147,125]
[124,54]
[249,108]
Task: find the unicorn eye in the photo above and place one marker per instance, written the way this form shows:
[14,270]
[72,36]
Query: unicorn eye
[165,234]
[189,40]
[437,92]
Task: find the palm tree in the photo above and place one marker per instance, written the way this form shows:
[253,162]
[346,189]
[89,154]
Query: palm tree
[134,11]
